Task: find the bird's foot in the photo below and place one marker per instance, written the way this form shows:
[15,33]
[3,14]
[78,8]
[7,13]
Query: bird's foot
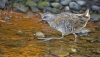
[47,39]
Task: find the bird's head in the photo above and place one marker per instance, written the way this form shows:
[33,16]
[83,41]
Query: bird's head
[46,17]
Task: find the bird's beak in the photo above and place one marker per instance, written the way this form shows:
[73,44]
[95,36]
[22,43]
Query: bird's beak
[39,19]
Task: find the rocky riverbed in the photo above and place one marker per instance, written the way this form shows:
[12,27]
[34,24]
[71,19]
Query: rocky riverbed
[18,38]
[19,33]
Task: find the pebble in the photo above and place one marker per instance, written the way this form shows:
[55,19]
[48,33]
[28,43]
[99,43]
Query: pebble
[66,9]
[81,3]
[74,5]
[39,35]
[73,50]
[95,8]
[65,2]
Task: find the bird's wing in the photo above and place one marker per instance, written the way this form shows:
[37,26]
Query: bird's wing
[72,19]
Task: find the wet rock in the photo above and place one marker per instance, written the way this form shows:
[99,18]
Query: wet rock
[20,32]
[20,7]
[66,9]
[31,3]
[2,4]
[36,0]
[35,9]
[55,5]
[57,0]
[55,11]
[65,2]
[84,32]
[14,43]
[95,17]
[48,9]
[83,8]
[81,3]
[43,4]
[95,8]
[74,5]
[39,35]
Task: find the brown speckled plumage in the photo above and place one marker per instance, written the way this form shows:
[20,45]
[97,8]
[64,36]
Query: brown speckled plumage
[66,23]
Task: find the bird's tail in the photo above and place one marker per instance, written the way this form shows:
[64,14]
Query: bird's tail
[87,13]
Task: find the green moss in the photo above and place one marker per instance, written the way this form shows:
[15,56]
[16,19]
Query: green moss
[56,5]
[54,10]
[43,4]
[31,3]
[96,15]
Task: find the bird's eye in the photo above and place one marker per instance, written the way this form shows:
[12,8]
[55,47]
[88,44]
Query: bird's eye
[45,17]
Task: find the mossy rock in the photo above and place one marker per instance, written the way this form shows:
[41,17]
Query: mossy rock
[34,9]
[55,5]
[55,11]
[31,3]
[43,4]
[20,7]
[14,43]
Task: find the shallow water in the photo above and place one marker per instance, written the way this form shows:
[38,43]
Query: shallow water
[17,38]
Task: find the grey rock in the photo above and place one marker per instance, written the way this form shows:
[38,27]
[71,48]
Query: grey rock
[65,2]
[74,5]
[83,8]
[94,18]
[35,9]
[36,0]
[2,4]
[5,1]
[57,0]
[55,5]
[20,7]
[47,9]
[81,3]
[95,8]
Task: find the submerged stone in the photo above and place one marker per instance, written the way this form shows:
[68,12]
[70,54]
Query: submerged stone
[14,43]
[39,35]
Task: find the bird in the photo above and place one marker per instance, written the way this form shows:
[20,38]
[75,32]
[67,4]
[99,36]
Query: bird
[66,23]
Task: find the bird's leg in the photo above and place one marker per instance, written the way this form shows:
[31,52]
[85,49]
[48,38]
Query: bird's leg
[75,37]
[47,39]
